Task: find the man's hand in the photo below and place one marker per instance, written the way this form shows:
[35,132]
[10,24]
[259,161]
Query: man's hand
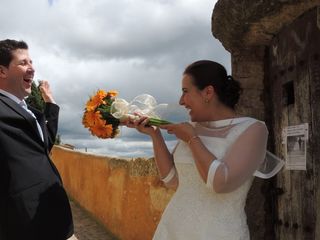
[45,90]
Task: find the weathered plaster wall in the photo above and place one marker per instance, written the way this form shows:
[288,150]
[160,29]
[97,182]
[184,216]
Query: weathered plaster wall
[124,195]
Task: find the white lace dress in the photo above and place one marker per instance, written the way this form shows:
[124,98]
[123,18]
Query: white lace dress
[196,212]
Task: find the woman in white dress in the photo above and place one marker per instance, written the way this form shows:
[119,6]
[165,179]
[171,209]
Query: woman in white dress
[213,164]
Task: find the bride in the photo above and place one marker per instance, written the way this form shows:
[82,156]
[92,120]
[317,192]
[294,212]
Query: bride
[214,163]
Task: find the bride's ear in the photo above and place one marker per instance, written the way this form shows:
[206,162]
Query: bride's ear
[209,92]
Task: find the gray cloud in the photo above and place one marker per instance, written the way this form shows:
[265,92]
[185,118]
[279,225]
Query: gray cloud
[134,47]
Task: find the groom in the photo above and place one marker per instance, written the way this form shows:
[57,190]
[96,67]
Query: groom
[33,202]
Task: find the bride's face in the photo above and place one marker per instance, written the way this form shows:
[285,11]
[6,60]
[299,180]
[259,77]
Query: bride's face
[193,100]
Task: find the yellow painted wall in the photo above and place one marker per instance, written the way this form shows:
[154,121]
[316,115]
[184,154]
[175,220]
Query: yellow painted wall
[124,195]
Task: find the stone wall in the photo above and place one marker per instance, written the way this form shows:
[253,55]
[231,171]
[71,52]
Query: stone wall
[245,28]
[248,69]
[240,24]
[126,196]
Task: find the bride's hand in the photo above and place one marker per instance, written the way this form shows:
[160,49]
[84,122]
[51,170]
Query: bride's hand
[141,124]
[184,131]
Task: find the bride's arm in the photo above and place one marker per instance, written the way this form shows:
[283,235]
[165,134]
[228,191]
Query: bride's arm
[163,158]
[239,163]
[203,157]
[242,159]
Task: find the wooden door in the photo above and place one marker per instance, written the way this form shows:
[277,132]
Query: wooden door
[294,77]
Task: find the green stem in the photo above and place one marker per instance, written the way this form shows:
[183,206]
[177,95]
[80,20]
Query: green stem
[158,122]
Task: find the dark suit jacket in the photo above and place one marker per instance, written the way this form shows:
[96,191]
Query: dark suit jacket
[33,202]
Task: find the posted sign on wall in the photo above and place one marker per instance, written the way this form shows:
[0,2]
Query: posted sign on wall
[295,139]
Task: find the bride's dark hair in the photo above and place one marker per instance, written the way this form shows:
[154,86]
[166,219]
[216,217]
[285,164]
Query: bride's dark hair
[205,73]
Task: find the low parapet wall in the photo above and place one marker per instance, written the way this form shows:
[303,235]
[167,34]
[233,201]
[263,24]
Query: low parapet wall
[124,195]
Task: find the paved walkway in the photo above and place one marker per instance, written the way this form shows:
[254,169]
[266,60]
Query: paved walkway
[85,228]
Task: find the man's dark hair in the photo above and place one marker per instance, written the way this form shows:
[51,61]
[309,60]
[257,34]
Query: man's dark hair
[6,48]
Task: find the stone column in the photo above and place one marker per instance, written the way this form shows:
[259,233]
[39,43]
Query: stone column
[248,67]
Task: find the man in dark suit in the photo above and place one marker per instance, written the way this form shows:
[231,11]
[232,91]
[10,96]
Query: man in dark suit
[33,202]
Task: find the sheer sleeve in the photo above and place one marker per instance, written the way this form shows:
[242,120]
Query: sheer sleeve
[171,178]
[241,160]
[170,175]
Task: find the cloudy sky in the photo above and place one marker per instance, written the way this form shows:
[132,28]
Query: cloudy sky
[133,47]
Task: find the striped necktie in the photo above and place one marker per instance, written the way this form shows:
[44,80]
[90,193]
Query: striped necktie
[25,107]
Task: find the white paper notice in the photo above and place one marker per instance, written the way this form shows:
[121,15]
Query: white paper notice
[295,139]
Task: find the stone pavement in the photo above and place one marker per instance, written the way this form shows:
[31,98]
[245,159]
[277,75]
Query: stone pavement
[85,228]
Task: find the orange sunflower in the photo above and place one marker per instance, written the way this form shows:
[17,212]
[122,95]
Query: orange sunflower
[97,117]
[90,118]
[102,130]
[96,100]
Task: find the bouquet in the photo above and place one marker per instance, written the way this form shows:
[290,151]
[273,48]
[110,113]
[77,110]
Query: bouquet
[104,112]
